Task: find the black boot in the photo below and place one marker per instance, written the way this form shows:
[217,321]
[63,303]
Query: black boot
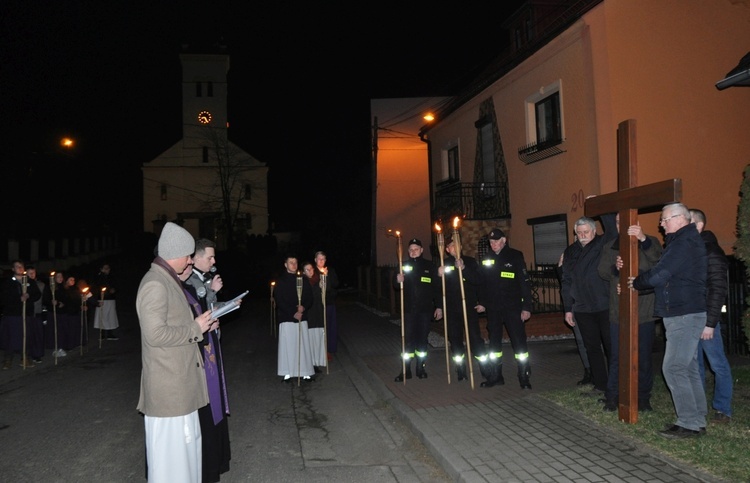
[586,378]
[493,372]
[421,372]
[400,377]
[461,371]
[524,372]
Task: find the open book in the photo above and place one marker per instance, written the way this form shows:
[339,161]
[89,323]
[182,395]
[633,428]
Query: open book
[229,306]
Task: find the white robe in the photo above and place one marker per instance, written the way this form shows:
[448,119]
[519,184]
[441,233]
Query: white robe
[173,449]
[106,316]
[318,346]
[294,354]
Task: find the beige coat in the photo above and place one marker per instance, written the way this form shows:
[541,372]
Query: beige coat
[173,382]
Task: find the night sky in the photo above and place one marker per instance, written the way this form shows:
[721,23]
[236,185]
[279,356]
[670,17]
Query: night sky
[108,75]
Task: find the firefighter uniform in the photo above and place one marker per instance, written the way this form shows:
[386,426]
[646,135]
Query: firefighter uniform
[454,301]
[422,296]
[505,293]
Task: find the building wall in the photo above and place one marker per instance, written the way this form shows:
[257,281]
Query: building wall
[403,200]
[654,62]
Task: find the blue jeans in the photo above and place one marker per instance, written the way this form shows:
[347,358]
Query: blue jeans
[646,336]
[681,372]
[719,365]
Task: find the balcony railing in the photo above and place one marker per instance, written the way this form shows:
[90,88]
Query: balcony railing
[473,201]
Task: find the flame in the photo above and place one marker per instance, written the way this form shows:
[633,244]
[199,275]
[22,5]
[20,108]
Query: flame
[84,290]
[437,228]
[104,289]
[455,222]
[273,283]
[51,274]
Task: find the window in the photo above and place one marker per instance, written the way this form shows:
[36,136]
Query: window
[198,89]
[488,154]
[210,89]
[205,154]
[548,119]
[248,192]
[550,238]
[544,116]
[163,189]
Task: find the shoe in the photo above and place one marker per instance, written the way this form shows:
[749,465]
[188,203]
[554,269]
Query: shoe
[678,432]
[644,406]
[597,393]
[60,353]
[287,378]
[308,378]
[400,377]
[610,406]
[37,360]
[28,363]
[720,418]
[7,364]
[586,378]
[317,370]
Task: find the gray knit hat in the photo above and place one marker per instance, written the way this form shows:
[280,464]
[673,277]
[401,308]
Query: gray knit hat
[175,242]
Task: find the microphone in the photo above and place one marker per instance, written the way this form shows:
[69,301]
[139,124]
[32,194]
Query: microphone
[211,273]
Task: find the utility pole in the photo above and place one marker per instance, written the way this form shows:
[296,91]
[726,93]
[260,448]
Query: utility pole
[374,221]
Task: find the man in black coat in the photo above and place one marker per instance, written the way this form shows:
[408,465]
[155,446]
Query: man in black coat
[505,295]
[422,299]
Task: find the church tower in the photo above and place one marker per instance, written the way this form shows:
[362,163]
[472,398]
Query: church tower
[204,96]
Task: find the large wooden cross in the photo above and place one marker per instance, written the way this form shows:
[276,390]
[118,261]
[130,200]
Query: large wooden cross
[627,201]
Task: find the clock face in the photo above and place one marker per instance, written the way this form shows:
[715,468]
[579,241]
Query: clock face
[204,117]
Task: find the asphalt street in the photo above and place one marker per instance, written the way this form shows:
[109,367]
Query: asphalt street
[76,421]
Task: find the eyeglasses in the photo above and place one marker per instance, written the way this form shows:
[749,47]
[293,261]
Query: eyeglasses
[664,220]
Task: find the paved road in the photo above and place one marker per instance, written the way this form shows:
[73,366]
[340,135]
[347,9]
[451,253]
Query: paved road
[76,422]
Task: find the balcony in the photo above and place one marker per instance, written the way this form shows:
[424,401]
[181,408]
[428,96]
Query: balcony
[471,201]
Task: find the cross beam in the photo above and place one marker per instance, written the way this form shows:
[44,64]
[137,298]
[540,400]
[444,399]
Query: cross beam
[627,201]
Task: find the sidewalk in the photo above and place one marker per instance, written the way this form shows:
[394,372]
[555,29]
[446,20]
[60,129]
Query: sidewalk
[499,434]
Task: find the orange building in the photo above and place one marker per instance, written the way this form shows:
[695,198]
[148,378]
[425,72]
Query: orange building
[527,143]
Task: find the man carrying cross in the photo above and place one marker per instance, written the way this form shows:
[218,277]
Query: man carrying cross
[679,283]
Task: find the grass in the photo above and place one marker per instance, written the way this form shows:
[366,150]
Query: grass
[724,451]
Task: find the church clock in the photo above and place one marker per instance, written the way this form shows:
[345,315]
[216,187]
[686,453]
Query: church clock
[204,117]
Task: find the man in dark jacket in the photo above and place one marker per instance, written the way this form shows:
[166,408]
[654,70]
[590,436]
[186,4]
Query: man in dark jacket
[585,294]
[679,283]
[505,294]
[649,251]
[456,300]
[711,343]
[422,300]
[19,294]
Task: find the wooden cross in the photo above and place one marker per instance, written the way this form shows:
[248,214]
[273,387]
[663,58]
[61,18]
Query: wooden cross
[627,201]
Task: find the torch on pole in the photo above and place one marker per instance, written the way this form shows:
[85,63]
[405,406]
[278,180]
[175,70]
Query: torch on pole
[399,251]
[23,318]
[273,311]
[100,313]
[52,288]
[441,249]
[299,324]
[84,296]
[323,285]
[457,242]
